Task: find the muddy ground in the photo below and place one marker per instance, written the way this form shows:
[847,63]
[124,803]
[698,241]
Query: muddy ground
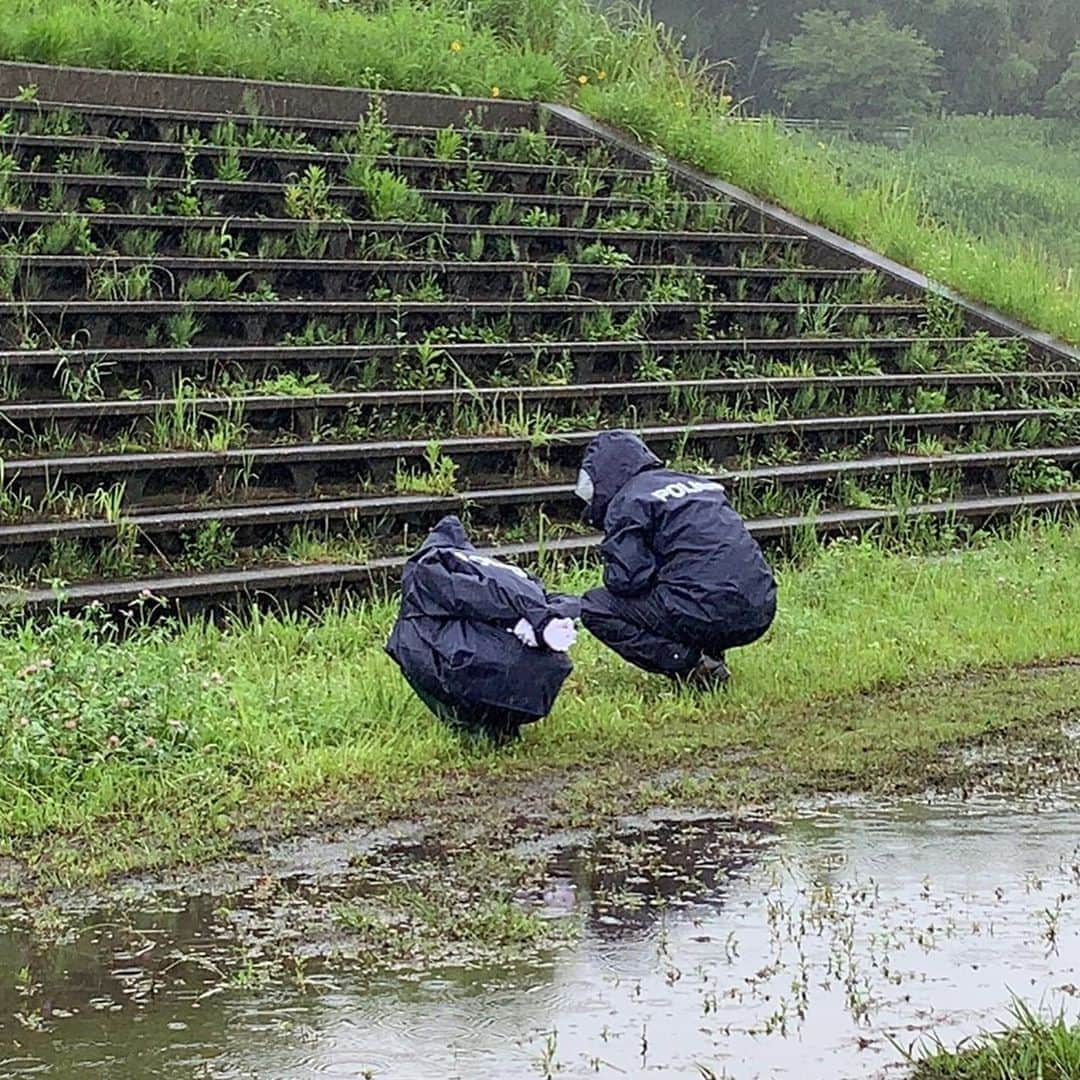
[351,885]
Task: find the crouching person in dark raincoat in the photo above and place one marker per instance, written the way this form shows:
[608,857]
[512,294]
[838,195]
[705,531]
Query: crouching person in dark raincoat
[480,641]
[684,579]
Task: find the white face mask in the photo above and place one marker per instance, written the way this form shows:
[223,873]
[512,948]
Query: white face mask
[584,489]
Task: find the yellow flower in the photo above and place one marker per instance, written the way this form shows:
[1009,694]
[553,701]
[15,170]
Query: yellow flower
[455,46]
[582,79]
[680,104]
[725,99]
[601,76]
[495,91]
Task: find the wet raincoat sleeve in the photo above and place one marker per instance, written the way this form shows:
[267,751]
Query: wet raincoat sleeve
[478,589]
[565,606]
[629,562]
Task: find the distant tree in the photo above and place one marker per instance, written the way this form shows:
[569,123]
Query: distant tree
[1047,29]
[1064,98]
[986,69]
[845,68]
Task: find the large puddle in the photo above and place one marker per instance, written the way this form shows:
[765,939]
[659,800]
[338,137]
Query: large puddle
[815,947]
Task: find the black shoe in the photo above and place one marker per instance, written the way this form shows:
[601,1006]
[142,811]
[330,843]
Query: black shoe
[710,673]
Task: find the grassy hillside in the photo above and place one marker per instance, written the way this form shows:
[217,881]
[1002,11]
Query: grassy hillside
[616,65]
[1006,179]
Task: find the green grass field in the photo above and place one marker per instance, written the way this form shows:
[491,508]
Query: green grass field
[150,750]
[1006,179]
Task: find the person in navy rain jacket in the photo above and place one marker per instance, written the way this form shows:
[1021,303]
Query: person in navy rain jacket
[480,641]
[684,581]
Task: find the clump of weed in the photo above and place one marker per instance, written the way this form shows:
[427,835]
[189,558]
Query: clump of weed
[1030,1046]
[307,196]
[437,476]
[79,706]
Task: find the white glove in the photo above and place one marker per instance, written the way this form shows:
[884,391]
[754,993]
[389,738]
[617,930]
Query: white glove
[560,635]
[524,632]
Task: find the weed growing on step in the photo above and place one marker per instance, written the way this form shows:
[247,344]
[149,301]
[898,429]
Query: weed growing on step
[600,254]
[289,384]
[559,281]
[82,379]
[315,332]
[389,197]
[256,134]
[1041,475]
[272,247]
[113,285]
[449,144]
[228,167]
[210,547]
[180,330]
[437,476]
[676,286]
[217,286]
[536,217]
[186,204]
[309,242]
[15,504]
[217,243]
[9,272]
[141,243]
[69,234]
[183,425]
[307,197]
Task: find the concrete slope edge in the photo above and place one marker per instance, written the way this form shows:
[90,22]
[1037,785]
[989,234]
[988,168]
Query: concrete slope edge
[575,122]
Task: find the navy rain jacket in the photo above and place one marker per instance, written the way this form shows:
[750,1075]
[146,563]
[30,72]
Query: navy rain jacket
[453,637]
[677,536]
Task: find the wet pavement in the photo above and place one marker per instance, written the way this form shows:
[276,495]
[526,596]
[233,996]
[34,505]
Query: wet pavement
[817,946]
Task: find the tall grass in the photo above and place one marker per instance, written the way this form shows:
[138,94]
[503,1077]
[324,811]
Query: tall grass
[1031,1048]
[1012,179]
[614,63]
[190,726]
[885,213]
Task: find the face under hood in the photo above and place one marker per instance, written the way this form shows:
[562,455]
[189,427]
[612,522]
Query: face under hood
[612,459]
[448,533]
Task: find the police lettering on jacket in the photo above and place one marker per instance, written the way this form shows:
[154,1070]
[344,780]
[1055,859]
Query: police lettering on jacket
[681,488]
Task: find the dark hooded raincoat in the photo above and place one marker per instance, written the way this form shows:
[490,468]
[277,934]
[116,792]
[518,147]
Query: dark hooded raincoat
[682,574]
[454,640]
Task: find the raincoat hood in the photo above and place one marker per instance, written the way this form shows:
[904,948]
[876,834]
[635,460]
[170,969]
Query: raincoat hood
[611,460]
[448,533]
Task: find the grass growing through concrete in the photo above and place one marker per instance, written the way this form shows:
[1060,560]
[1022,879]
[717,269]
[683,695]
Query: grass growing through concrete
[154,749]
[1030,1046]
[616,65]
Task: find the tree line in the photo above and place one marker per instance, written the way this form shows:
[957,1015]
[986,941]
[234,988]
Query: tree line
[868,59]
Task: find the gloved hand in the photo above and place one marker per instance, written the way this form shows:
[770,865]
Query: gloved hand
[560,634]
[524,632]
